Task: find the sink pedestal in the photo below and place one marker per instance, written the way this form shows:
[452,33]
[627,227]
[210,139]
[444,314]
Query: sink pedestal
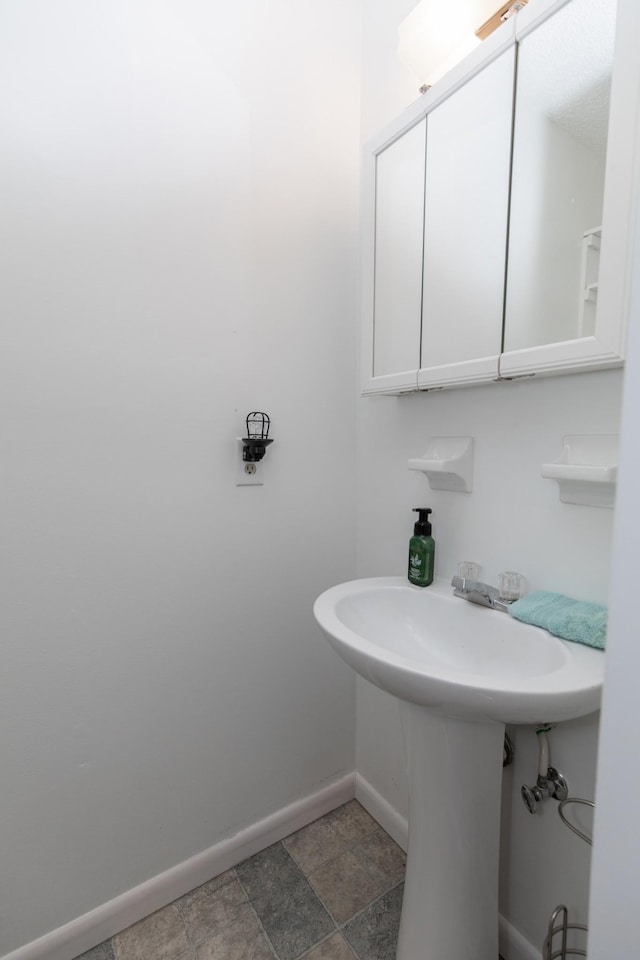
[450,906]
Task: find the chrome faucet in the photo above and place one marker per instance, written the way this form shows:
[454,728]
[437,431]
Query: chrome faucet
[477,592]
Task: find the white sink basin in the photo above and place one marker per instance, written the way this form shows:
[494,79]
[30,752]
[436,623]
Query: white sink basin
[457,658]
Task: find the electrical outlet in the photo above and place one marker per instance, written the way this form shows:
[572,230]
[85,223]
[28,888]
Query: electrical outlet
[248,474]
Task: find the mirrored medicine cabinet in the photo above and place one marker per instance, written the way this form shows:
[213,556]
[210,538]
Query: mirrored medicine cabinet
[496,209]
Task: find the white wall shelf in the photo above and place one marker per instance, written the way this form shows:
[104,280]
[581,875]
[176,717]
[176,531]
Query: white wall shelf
[587,471]
[448,463]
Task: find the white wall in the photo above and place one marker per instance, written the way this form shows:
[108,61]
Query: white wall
[179,210]
[512,520]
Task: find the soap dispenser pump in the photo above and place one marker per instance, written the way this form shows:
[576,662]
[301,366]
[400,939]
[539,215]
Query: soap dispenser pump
[422,550]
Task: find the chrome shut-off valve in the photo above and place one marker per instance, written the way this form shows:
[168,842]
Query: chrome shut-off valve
[550,783]
[553,785]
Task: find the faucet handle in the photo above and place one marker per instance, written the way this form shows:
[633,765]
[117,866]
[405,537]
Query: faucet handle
[474,586]
[469,570]
[511,585]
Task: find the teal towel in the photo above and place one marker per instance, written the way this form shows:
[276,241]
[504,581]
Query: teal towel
[563,617]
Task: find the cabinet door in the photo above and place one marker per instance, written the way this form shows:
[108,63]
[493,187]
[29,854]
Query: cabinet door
[465,239]
[570,189]
[391,360]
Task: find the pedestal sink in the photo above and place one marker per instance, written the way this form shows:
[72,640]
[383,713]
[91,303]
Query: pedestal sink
[462,672]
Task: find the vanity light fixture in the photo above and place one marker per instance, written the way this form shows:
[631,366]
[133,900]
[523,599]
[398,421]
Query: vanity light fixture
[437,34]
[255,444]
[505,12]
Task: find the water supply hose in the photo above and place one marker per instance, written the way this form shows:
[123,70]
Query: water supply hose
[544,761]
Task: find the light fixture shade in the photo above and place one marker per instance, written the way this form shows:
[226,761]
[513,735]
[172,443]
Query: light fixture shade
[437,34]
[257,440]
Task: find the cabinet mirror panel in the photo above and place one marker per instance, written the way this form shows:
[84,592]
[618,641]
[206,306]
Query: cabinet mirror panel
[399,220]
[467,193]
[559,154]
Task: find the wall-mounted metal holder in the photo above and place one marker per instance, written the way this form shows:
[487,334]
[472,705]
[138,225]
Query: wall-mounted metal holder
[559,932]
[559,926]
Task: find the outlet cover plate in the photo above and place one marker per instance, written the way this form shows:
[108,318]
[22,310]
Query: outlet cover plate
[248,474]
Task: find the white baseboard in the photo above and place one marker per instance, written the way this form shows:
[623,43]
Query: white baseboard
[382,811]
[87,931]
[513,945]
[92,928]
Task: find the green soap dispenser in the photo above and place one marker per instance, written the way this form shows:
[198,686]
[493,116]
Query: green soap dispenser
[422,550]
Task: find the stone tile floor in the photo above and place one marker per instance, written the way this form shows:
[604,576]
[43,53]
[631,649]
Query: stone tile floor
[331,891]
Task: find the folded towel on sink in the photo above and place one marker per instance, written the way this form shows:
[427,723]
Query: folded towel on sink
[576,620]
